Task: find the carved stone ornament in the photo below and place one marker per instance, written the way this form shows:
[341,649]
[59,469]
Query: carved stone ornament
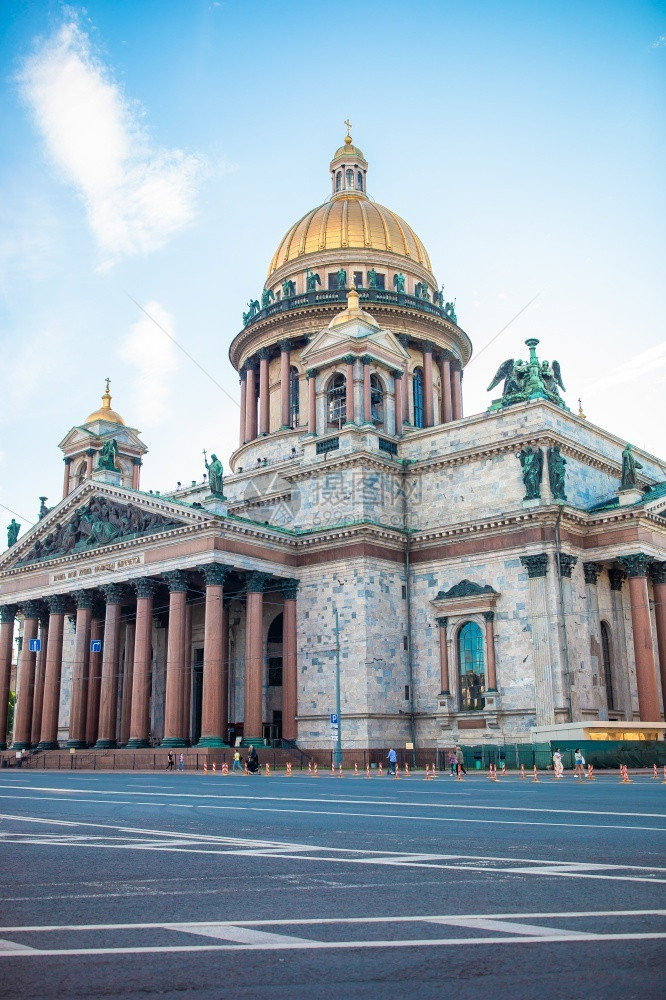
[466,589]
[658,572]
[177,581]
[84,599]
[635,565]
[289,588]
[7,613]
[98,522]
[57,604]
[567,564]
[616,577]
[536,566]
[31,609]
[255,583]
[531,379]
[214,573]
[144,587]
[591,571]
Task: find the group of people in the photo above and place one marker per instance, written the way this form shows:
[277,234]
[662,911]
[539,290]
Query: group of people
[252,761]
[579,764]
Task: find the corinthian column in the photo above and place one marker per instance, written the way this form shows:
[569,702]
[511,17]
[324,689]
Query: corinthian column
[243,406]
[7,616]
[65,484]
[445,377]
[142,663]
[443,657]
[40,671]
[264,401]
[312,400]
[636,567]
[215,692]
[491,680]
[94,676]
[251,405]
[285,384]
[658,570]
[456,390]
[428,400]
[108,698]
[289,662]
[77,713]
[254,659]
[53,673]
[26,678]
[173,712]
[399,389]
[537,567]
[350,416]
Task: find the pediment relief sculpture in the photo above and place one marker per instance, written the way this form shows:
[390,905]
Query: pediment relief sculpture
[100,521]
[466,589]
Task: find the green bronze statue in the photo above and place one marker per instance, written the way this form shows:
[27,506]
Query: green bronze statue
[630,465]
[13,529]
[531,461]
[288,289]
[108,456]
[450,311]
[267,297]
[372,278]
[253,309]
[312,281]
[556,472]
[399,283]
[524,380]
[215,475]
[342,278]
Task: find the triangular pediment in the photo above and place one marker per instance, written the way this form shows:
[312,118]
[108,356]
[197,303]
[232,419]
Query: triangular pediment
[356,337]
[93,516]
[85,436]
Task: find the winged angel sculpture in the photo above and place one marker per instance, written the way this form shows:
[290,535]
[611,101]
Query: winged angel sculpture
[531,379]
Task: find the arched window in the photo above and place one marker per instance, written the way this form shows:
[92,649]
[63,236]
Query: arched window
[80,473]
[471,668]
[338,180]
[606,661]
[293,396]
[359,181]
[274,650]
[417,392]
[376,400]
[349,178]
[336,398]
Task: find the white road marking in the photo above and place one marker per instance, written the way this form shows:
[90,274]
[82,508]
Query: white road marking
[503,926]
[11,948]
[242,935]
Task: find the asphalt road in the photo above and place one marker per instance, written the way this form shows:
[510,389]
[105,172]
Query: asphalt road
[178,885]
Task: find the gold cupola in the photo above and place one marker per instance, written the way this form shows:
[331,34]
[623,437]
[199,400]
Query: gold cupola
[105,412]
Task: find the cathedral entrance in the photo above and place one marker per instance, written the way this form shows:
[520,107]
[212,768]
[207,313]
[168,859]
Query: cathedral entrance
[273,728]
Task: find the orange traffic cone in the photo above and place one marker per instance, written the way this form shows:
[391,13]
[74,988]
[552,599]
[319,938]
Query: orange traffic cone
[664,781]
[205,768]
[590,772]
[340,771]
[213,767]
[433,771]
[289,769]
[356,770]
[459,770]
[332,767]
[267,767]
[427,776]
[397,770]
[367,770]
[381,769]
[310,768]
[656,772]
[626,780]
[225,768]
[490,772]
[316,771]
[522,772]
[503,769]
[406,769]
[536,774]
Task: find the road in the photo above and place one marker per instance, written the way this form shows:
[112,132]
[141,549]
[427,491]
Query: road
[171,885]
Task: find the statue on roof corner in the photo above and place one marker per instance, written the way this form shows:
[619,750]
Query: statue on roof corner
[215,475]
[525,380]
[13,529]
[630,466]
[399,283]
[108,456]
[531,461]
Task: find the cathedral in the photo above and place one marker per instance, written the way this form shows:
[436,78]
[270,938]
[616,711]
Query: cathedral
[371,555]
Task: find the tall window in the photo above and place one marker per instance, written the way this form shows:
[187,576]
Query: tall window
[376,400]
[606,661]
[358,279]
[349,178]
[337,401]
[417,392]
[338,180]
[359,181]
[471,668]
[293,395]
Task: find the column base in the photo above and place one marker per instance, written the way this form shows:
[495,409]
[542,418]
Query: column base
[22,745]
[137,744]
[76,745]
[173,743]
[210,741]
[47,745]
[106,745]
[3,746]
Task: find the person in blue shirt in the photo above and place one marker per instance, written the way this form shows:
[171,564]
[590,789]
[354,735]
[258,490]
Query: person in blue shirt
[393,760]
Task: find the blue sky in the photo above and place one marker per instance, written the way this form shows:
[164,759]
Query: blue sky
[159,151]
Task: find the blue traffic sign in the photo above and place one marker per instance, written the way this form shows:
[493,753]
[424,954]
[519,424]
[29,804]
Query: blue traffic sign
[35,645]
[95,645]
[334,719]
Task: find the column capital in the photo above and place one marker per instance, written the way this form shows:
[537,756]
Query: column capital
[427,346]
[43,616]
[114,593]
[145,587]
[591,571]
[90,452]
[67,459]
[567,564]
[177,581]
[7,613]
[289,588]
[255,583]
[366,359]
[489,616]
[443,621]
[242,374]
[57,604]
[403,339]
[311,373]
[456,364]
[349,359]
[536,565]
[215,573]
[658,572]
[635,565]
[616,577]
[285,346]
[31,609]
[137,461]
[264,354]
[397,372]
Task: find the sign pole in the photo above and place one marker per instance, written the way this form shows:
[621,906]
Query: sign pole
[338,744]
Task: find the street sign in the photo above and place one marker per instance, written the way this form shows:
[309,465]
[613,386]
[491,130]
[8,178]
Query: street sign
[334,719]
[95,645]
[334,734]
[35,645]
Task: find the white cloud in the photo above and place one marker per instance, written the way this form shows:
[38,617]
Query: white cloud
[647,363]
[659,42]
[154,357]
[136,196]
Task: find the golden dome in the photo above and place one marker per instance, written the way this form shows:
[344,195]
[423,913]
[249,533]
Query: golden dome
[105,412]
[349,150]
[349,220]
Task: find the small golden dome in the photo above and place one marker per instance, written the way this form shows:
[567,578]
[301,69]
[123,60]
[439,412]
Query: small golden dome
[105,412]
[352,312]
[349,220]
[349,150]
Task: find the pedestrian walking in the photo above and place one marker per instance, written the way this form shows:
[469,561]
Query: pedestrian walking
[238,762]
[558,765]
[169,766]
[393,760]
[579,764]
[181,763]
[452,763]
[460,761]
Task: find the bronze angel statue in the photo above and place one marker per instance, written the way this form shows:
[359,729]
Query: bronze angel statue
[531,379]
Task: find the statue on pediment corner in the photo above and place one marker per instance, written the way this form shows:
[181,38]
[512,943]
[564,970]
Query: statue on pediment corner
[108,456]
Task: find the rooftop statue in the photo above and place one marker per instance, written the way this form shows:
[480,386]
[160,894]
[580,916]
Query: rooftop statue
[399,283]
[253,309]
[372,278]
[342,278]
[108,456]
[421,291]
[630,465]
[532,379]
[288,289]
[556,472]
[531,460]
[267,297]
[215,475]
[13,529]
[312,281]
[450,311]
